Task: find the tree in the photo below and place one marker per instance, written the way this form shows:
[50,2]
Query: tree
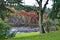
[55,10]
[41,12]
[4,10]
[55,13]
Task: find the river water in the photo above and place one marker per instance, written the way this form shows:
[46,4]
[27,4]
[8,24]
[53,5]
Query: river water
[24,29]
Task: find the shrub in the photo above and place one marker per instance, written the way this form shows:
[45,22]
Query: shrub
[4,30]
[49,26]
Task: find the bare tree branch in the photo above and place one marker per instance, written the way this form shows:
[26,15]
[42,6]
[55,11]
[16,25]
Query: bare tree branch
[39,2]
[45,5]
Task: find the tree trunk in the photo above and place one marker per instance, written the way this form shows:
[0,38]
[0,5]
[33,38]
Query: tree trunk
[41,12]
[41,18]
[41,23]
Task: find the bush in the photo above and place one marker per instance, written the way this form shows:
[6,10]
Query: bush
[4,30]
[49,26]
[57,22]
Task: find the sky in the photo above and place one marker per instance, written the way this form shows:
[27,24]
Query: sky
[33,2]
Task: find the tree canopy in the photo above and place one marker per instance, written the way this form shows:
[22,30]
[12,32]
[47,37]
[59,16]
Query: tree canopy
[55,10]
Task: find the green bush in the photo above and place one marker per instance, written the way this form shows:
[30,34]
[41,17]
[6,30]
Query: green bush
[4,30]
[57,22]
[49,26]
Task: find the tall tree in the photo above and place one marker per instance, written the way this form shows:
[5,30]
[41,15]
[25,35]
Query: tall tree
[55,9]
[41,12]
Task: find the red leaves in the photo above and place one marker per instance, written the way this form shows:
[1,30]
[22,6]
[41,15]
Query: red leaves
[32,14]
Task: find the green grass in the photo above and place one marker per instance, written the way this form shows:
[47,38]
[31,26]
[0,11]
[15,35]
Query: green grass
[20,35]
[36,36]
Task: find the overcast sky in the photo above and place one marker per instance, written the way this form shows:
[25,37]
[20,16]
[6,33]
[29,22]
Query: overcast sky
[33,2]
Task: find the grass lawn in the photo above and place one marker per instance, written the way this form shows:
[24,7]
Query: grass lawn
[36,36]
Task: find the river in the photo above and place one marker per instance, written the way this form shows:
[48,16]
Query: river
[24,29]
